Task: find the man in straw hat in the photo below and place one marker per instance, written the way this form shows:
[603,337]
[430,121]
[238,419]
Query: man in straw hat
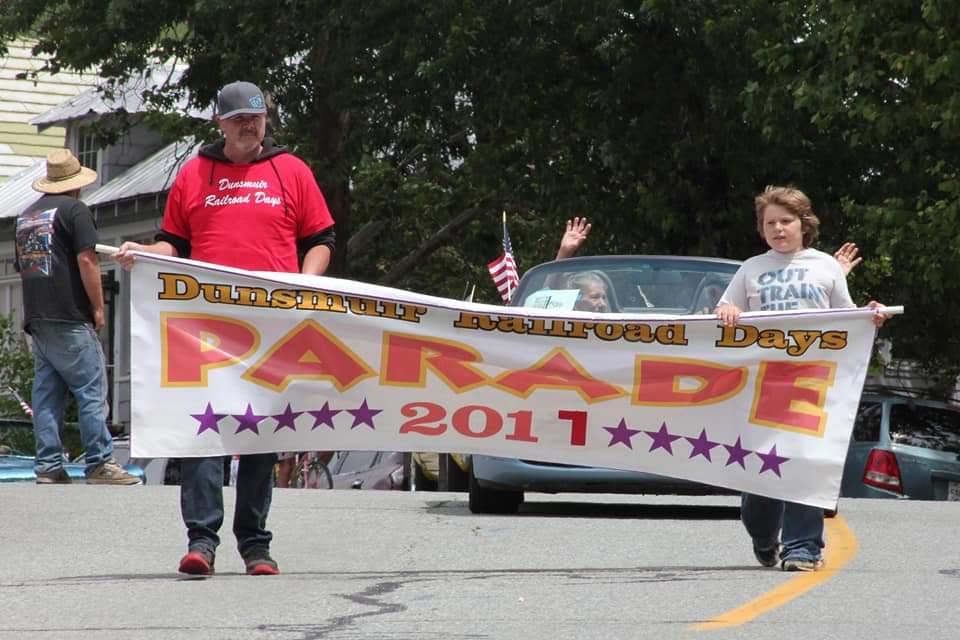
[62,309]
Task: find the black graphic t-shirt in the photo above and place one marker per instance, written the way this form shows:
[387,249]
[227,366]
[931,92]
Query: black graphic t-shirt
[49,235]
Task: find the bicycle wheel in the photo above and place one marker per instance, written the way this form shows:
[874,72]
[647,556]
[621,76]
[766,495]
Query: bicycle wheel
[313,473]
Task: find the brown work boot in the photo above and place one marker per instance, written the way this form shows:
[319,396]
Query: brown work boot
[110,472]
[57,476]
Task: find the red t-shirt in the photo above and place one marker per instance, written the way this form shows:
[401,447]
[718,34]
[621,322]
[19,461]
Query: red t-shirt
[247,216]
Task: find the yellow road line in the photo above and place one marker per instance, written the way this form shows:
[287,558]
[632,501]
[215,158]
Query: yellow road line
[841,548]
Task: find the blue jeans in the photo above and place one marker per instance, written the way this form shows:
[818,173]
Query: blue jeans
[67,357]
[201,502]
[802,526]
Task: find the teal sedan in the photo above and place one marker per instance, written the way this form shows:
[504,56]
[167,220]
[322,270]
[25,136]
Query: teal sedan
[903,446]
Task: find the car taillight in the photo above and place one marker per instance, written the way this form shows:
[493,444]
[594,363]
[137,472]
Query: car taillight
[882,471]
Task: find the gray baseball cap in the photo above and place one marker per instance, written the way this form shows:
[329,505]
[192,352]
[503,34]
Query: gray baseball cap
[240,97]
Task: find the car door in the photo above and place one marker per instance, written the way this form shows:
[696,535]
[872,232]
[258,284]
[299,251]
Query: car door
[351,467]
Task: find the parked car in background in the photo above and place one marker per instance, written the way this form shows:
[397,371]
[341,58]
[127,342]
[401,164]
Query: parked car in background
[903,446]
[368,470]
[635,284]
[348,470]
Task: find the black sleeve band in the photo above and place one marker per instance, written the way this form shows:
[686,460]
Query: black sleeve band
[327,238]
[182,245]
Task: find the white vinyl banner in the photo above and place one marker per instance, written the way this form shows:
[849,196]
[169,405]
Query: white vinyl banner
[226,361]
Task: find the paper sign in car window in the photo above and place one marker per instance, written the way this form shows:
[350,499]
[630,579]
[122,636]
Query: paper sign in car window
[555,299]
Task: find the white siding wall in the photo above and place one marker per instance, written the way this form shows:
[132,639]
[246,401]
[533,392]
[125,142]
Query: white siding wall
[22,99]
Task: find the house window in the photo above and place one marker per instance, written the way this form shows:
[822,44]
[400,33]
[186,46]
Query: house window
[87,151]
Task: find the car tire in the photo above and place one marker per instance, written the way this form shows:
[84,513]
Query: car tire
[492,500]
[420,480]
[457,478]
[171,474]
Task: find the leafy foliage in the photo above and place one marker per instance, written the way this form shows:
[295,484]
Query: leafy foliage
[16,368]
[884,84]
[659,120]
[16,371]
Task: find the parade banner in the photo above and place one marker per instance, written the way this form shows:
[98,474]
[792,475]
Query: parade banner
[226,361]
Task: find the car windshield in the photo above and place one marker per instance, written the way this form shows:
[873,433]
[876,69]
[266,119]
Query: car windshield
[627,284]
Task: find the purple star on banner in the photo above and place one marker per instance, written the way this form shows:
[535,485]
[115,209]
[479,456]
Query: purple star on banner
[621,433]
[285,419]
[248,421]
[662,439]
[324,416]
[701,445]
[363,415]
[772,461]
[208,420]
[737,453]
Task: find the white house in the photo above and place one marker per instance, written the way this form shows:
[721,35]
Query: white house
[134,175]
[22,99]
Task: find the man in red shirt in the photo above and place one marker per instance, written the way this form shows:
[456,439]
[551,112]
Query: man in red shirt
[243,202]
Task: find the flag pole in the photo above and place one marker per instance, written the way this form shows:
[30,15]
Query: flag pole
[509,288]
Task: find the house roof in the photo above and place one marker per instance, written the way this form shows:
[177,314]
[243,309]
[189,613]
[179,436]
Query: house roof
[127,97]
[153,175]
[16,193]
[150,176]
[23,99]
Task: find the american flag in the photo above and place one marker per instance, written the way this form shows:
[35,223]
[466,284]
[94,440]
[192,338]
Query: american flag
[503,270]
[23,403]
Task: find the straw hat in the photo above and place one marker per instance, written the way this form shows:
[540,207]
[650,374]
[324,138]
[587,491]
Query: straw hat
[64,173]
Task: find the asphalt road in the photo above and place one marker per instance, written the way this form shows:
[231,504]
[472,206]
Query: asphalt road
[100,562]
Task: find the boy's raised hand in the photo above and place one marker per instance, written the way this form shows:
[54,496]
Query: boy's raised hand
[846,255]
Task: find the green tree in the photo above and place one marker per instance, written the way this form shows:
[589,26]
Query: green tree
[16,368]
[884,82]
[16,373]
[657,119]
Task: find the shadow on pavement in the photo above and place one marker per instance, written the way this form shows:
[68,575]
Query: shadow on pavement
[600,510]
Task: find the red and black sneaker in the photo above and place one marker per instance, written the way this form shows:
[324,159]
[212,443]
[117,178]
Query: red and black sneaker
[197,562]
[259,563]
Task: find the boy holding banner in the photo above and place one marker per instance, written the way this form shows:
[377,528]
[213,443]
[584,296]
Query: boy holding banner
[792,275]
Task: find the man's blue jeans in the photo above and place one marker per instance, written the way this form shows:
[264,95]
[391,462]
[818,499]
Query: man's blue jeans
[201,502]
[802,526]
[67,357]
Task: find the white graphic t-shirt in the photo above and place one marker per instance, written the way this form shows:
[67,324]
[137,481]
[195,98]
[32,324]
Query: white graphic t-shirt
[773,281]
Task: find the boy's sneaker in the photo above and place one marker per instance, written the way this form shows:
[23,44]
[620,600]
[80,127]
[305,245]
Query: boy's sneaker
[110,472]
[57,476]
[259,563]
[802,564]
[197,562]
[767,556]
